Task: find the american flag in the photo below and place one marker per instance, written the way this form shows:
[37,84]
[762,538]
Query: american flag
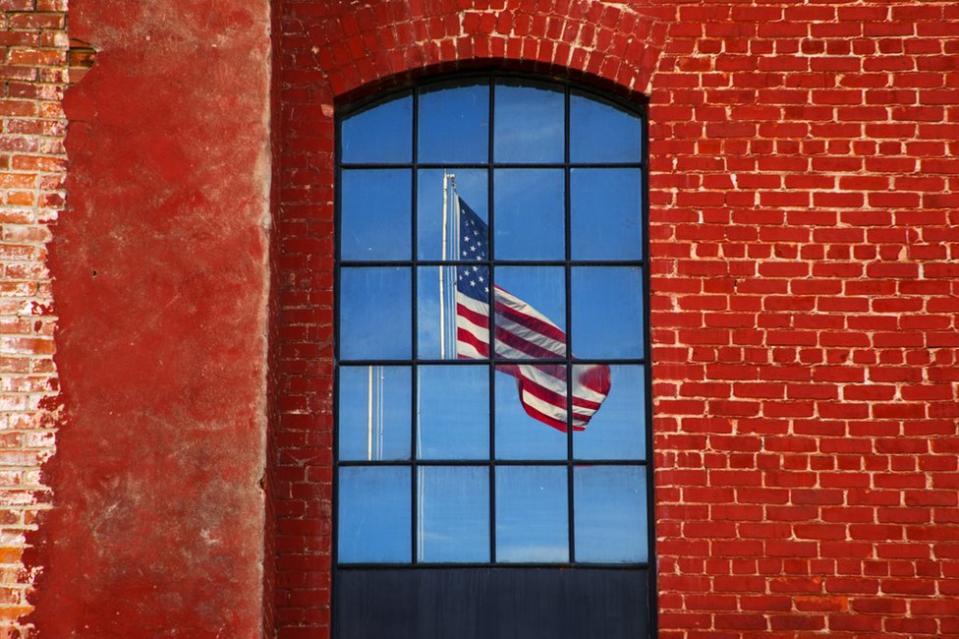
[521,332]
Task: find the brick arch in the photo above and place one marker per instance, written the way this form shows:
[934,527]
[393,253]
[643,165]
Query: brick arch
[365,46]
[328,53]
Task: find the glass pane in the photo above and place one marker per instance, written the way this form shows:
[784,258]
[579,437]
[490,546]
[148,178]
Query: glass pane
[374,412]
[452,316]
[606,219]
[530,312]
[601,132]
[375,214]
[531,514]
[374,514]
[617,429]
[454,124]
[529,205]
[383,133]
[375,313]
[469,184]
[531,411]
[610,513]
[452,410]
[529,123]
[607,312]
[453,513]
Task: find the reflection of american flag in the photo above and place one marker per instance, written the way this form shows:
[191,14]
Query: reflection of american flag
[522,332]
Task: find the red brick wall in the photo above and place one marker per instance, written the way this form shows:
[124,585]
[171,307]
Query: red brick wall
[805,240]
[806,293]
[33,72]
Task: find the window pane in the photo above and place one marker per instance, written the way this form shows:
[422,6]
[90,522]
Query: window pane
[374,412]
[462,331]
[454,124]
[529,123]
[453,513]
[383,133]
[375,214]
[375,313]
[610,513]
[452,411]
[531,514]
[601,132]
[374,514]
[470,185]
[529,205]
[606,214]
[607,312]
[617,429]
[530,312]
[530,416]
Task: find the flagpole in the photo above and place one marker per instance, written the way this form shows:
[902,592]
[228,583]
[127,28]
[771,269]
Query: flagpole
[443,256]
[369,413]
[379,411]
[454,254]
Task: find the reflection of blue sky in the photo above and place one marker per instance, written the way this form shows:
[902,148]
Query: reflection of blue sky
[617,429]
[529,214]
[542,287]
[453,412]
[374,514]
[607,321]
[375,314]
[607,312]
[354,413]
[376,216]
[381,134]
[605,221]
[600,132]
[454,513]
[531,518]
[454,124]
[610,513]
[519,436]
[528,124]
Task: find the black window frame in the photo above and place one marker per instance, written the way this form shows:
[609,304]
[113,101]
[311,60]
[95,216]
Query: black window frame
[491,77]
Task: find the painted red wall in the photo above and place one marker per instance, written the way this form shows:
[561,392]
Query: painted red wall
[159,268]
[805,236]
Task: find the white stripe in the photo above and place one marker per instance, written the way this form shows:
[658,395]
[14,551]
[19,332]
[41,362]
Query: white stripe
[542,378]
[468,350]
[481,308]
[548,409]
[479,332]
[530,335]
[520,306]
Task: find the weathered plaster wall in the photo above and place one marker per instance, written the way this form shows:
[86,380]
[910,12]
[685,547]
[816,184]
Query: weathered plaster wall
[160,282]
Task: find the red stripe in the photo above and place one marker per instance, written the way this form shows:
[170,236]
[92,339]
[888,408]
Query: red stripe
[520,344]
[476,318]
[559,400]
[545,394]
[463,335]
[546,419]
[531,322]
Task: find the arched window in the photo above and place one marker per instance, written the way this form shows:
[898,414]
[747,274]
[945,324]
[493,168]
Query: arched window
[492,411]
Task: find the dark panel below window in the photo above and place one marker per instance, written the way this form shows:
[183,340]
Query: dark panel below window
[491,603]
